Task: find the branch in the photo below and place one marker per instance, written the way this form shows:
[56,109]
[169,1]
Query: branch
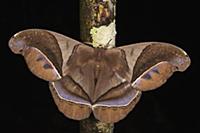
[97,28]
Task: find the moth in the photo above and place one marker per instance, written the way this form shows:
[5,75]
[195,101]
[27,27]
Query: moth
[105,82]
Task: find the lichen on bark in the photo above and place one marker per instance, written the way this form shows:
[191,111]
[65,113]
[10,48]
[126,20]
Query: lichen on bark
[97,18]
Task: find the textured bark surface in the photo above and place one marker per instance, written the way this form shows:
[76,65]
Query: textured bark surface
[97,28]
[91,125]
[97,22]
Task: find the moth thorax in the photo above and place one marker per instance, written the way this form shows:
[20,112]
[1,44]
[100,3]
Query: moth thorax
[97,70]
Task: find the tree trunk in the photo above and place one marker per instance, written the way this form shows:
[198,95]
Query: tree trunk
[97,22]
[91,125]
[97,28]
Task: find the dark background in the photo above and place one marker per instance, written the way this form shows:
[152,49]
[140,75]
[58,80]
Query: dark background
[26,102]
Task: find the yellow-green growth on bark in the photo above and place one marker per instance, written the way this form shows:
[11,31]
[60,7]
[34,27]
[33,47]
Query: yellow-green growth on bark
[97,22]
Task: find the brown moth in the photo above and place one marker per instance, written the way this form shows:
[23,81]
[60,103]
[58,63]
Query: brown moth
[105,82]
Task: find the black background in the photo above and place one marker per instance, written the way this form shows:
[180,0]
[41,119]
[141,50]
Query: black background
[26,101]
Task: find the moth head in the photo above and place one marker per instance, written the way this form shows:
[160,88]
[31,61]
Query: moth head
[100,45]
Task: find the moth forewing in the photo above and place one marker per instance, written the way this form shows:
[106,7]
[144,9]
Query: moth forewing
[67,46]
[154,77]
[40,65]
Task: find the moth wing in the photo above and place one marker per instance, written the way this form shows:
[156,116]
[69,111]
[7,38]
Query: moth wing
[45,52]
[154,63]
[154,77]
[72,106]
[111,109]
[40,65]
[149,66]
[67,46]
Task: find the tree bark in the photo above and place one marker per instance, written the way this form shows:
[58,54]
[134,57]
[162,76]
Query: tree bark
[91,125]
[97,28]
[97,22]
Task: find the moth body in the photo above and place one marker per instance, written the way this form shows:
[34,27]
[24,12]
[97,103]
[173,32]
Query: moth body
[105,82]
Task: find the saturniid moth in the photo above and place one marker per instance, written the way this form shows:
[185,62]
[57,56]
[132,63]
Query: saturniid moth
[105,82]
